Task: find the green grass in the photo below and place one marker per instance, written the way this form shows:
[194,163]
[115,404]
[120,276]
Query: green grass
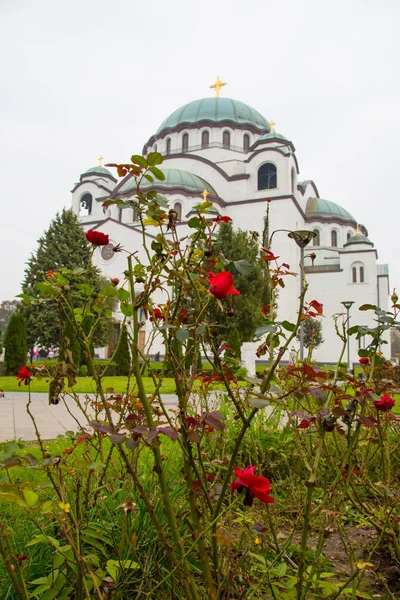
[86,385]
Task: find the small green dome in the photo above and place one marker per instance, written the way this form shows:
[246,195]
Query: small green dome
[174,178]
[215,110]
[358,239]
[98,171]
[273,136]
[317,207]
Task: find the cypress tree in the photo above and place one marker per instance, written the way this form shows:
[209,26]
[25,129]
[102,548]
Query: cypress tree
[123,357]
[15,343]
[62,245]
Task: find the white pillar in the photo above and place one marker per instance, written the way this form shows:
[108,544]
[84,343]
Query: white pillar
[248,352]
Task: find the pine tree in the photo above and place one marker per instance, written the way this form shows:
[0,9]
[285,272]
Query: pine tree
[15,343]
[62,245]
[246,314]
[123,357]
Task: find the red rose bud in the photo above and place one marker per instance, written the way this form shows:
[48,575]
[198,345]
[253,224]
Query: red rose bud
[221,285]
[255,485]
[24,376]
[115,281]
[97,238]
[385,404]
[157,315]
[268,200]
[364,361]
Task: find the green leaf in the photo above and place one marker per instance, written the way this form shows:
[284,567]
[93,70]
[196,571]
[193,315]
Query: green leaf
[194,222]
[109,291]
[258,402]
[243,266]
[182,334]
[137,159]
[30,496]
[288,326]
[117,202]
[25,298]
[368,307]
[157,173]
[263,329]
[200,329]
[148,177]
[154,158]
[123,295]
[126,309]
[42,539]
[363,353]
[94,465]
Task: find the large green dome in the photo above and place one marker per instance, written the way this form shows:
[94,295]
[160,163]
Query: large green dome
[174,179]
[215,110]
[317,207]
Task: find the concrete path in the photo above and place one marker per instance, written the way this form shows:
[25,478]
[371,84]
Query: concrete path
[15,422]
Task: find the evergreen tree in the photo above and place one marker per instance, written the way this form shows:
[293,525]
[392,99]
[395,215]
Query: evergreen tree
[62,245]
[16,347]
[312,333]
[246,314]
[123,357]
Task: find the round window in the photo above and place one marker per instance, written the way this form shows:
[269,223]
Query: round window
[107,252]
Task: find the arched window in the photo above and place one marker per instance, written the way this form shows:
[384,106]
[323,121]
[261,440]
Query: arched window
[293,181]
[354,274]
[178,208]
[316,240]
[168,149]
[361,274]
[267,177]
[334,238]
[349,235]
[226,139]
[185,142]
[246,142]
[205,139]
[86,204]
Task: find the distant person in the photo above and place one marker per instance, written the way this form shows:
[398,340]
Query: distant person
[31,355]
[37,354]
[51,355]
[42,353]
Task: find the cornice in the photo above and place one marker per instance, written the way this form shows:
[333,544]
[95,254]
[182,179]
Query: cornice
[285,154]
[203,123]
[185,155]
[94,183]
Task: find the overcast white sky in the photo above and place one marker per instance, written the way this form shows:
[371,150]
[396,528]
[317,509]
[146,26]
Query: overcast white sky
[89,77]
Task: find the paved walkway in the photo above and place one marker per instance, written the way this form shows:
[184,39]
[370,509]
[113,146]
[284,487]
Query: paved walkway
[15,422]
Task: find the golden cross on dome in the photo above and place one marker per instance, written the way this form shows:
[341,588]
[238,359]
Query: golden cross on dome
[100,159]
[205,194]
[358,232]
[271,126]
[217,86]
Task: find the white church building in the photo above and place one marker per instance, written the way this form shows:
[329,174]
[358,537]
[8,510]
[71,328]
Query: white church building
[230,150]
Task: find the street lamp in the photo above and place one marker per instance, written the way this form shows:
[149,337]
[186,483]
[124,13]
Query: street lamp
[348,304]
[302,239]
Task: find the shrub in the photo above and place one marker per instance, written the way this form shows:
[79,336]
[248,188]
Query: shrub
[233,340]
[241,373]
[83,371]
[15,343]
[122,357]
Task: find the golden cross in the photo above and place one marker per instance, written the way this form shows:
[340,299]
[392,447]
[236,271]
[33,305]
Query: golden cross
[217,86]
[358,232]
[271,126]
[205,194]
[100,159]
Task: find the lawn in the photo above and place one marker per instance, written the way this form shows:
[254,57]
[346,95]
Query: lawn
[86,385]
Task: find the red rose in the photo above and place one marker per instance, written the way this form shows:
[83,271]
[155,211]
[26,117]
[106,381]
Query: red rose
[385,404]
[115,281]
[183,316]
[364,361]
[157,314]
[97,238]
[224,219]
[24,376]
[221,285]
[256,486]
[268,200]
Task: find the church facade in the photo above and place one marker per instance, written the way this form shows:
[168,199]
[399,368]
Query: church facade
[228,149]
